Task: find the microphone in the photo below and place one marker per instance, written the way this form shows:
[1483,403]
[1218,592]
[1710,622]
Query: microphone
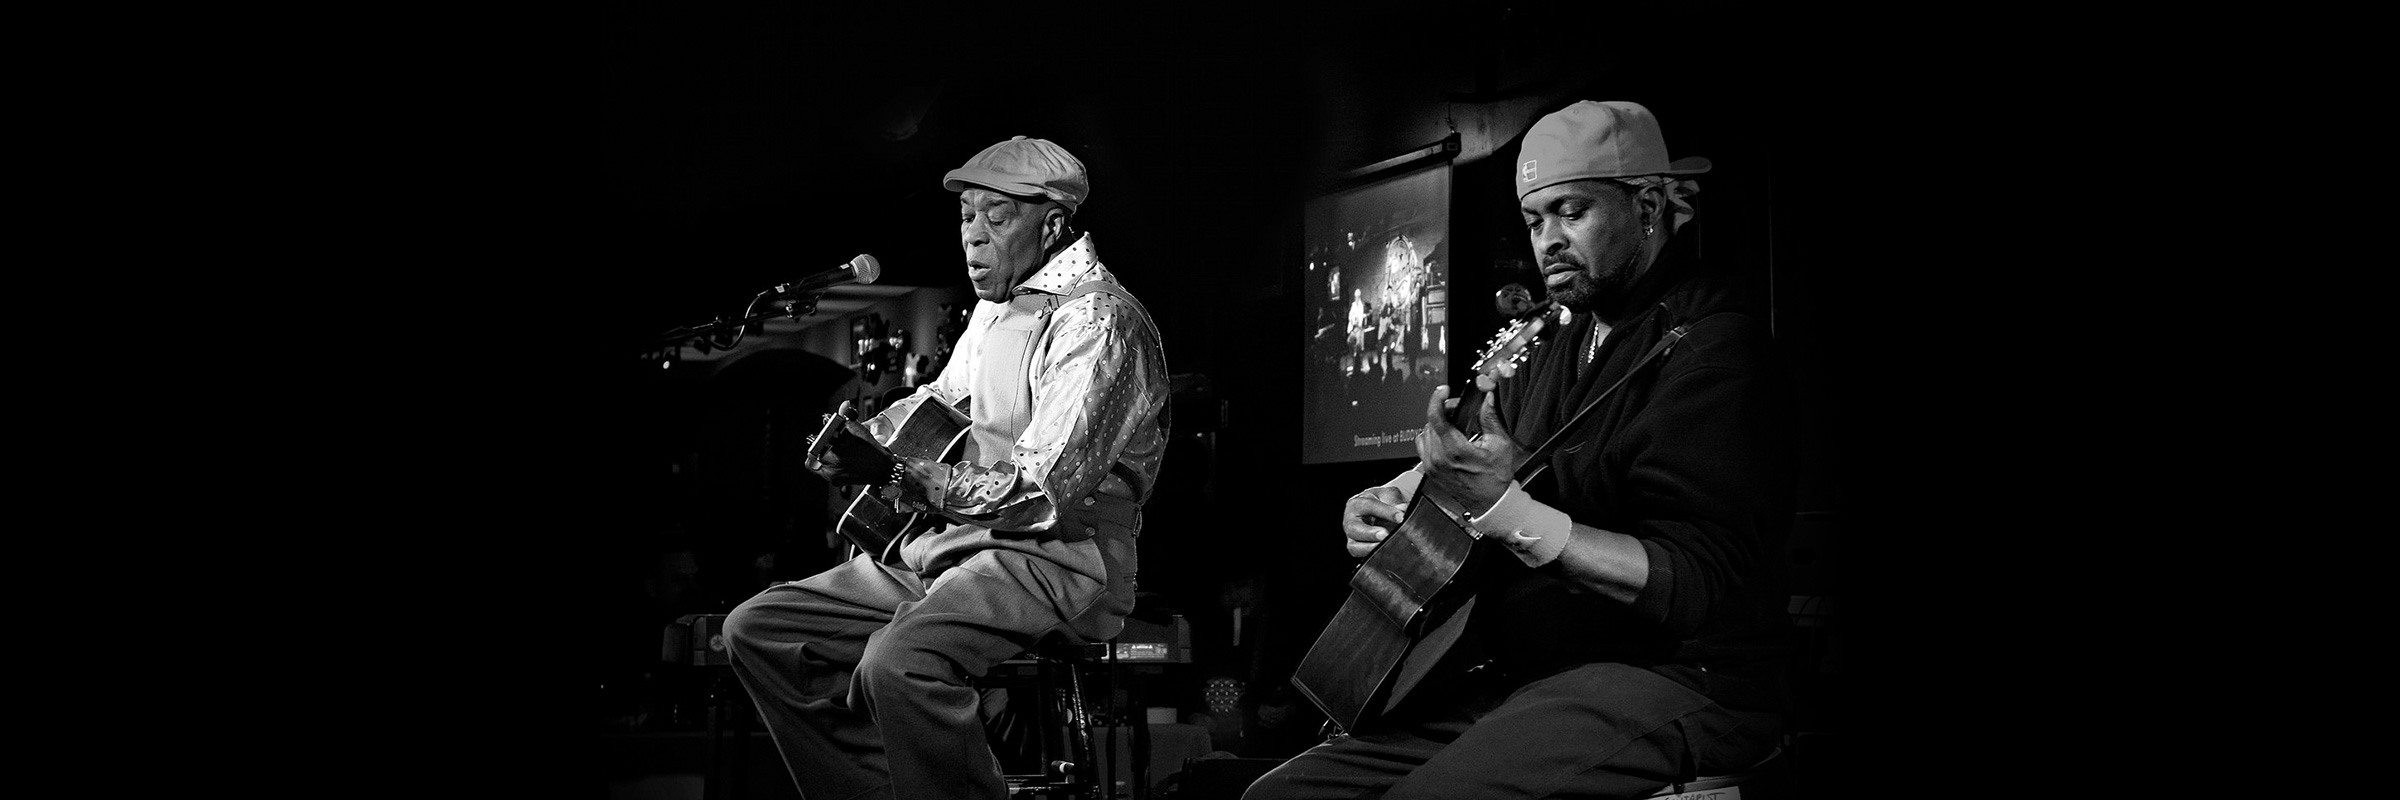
[863,269]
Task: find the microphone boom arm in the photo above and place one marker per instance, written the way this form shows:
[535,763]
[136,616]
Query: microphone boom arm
[803,303]
[802,296]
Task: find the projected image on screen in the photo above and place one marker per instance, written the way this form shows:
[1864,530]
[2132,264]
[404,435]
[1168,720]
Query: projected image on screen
[1376,297]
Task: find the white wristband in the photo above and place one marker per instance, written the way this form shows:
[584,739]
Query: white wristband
[1531,529]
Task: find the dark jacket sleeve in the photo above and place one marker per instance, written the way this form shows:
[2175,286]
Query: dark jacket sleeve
[1706,465]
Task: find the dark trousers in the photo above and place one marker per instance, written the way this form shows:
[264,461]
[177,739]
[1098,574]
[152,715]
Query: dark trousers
[1596,731]
[861,673]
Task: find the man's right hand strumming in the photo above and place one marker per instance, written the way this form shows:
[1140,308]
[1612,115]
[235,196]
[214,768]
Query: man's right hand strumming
[1370,516]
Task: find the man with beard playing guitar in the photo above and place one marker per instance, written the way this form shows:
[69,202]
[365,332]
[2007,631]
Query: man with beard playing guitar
[1624,618]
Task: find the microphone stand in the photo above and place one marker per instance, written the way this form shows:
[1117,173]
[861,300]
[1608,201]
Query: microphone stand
[723,334]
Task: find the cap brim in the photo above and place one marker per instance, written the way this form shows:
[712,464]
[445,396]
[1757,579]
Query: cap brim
[1688,165]
[958,182]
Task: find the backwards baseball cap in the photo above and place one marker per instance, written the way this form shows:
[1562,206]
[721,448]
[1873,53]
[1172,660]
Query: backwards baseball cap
[1021,166]
[1595,139]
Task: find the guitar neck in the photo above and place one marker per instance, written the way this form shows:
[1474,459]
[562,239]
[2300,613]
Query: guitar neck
[1468,416]
[1499,360]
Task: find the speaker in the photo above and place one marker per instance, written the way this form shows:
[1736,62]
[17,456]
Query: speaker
[695,640]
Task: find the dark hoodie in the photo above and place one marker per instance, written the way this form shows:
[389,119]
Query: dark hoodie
[1692,457]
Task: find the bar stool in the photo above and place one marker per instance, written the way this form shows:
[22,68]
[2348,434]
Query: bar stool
[1065,721]
[1062,718]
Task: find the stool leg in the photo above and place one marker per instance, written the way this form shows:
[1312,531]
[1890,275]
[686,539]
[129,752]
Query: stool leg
[709,781]
[1079,728]
[737,777]
[1139,719]
[1114,716]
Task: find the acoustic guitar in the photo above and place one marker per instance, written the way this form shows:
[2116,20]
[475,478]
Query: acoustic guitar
[932,430]
[1401,614]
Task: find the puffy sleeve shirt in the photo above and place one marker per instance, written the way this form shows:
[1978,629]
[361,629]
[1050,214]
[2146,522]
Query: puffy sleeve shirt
[1099,392]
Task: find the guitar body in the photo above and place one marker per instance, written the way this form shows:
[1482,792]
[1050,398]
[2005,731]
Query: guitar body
[1397,621]
[1403,611]
[933,430]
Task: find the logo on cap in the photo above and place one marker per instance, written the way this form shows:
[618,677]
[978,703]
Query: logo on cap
[1528,172]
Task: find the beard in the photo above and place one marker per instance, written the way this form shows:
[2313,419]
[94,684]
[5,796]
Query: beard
[1586,291]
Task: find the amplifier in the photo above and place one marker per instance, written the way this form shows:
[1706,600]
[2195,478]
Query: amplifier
[1141,644]
[695,640]
[1168,642]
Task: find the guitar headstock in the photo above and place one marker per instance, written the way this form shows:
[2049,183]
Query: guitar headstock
[1509,347]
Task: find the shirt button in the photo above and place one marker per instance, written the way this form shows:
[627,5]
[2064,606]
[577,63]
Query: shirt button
[1089,531]
[1090,500]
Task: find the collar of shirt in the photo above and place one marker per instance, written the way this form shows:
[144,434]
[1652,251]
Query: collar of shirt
[1065,271]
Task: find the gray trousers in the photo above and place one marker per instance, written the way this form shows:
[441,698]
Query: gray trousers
[862,672]
[1595,731]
